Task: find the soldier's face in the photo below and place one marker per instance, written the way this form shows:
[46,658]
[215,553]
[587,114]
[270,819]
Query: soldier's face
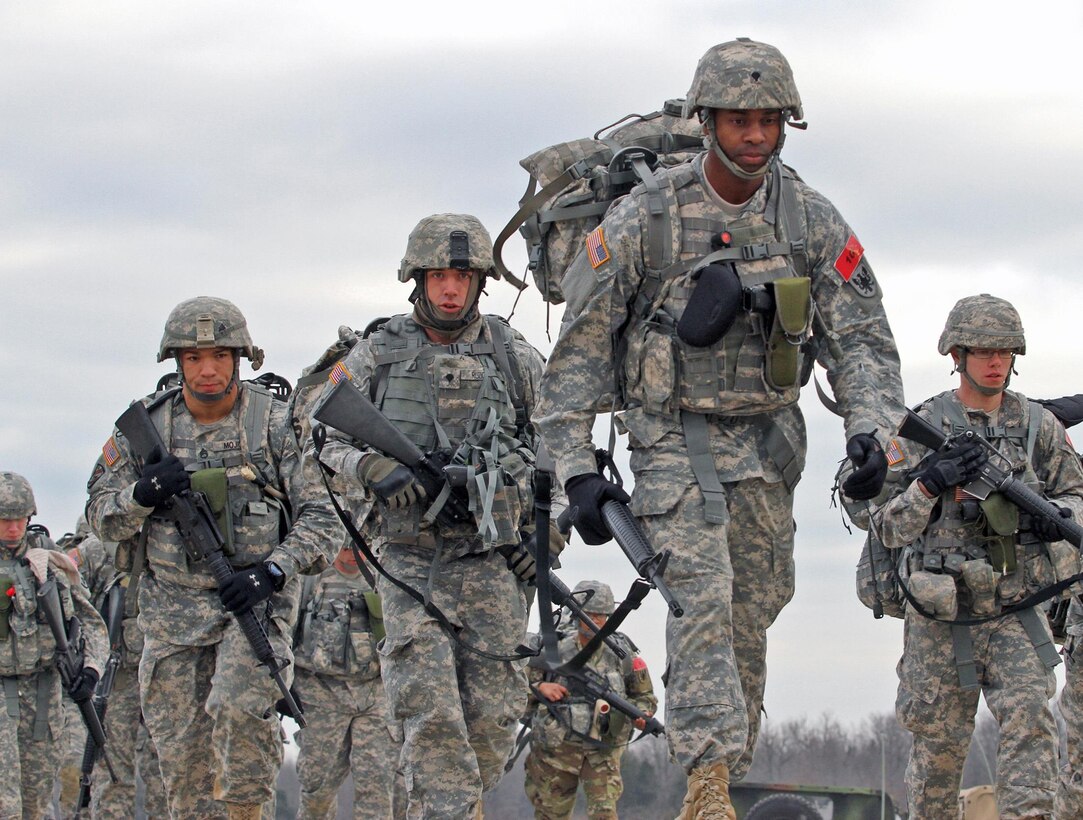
[599,621]
[208,370]
[749,137]
[447,290]
[12,530]
[987,370]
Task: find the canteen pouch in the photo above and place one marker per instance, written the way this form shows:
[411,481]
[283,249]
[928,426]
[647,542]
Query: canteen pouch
[981,581]
[793,303]
[213,484]
[1001,523]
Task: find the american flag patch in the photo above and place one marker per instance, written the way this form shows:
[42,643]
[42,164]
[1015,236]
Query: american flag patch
[596,249]
[894,453]
[339,373]
[110,452]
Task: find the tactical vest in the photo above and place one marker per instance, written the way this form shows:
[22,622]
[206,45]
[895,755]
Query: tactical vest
[339,626]
[251,522]
[456,398]
[759,364]
[27,644]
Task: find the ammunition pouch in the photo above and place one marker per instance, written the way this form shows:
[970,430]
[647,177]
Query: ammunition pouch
[981,583]
[713,306]
[935,593]
[789,331]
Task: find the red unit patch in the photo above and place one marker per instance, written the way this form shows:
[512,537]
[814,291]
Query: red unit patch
[849,258]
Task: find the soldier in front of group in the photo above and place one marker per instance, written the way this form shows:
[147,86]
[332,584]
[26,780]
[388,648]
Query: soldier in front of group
[580,739]
[700,304]
[32,730]
[971,563]
[455,381]
[338,676]
[131,749]
[205,699]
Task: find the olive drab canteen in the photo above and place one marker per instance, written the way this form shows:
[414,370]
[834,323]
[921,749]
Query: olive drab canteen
[208,321]
[743,74]
[16,497]
[448,241]
[983,321]
[600,602]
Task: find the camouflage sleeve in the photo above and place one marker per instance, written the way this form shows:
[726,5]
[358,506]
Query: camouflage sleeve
[1058,467]
[857,346]
[581,366]
[94,566]
[96,647]
[905,513]
[316,534]
[111,510]
[531,366]
[639,687]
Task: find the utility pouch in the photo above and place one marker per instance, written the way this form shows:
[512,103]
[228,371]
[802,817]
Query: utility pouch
[981,581]
[936,593]
[6,584]
[793,300]
[1001,523]
[376,615]
[213,484]
[712,306]
[1066,562]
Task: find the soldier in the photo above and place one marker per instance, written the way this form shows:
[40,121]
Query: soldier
[209,707]
[579,739]
[700,304]
[338,675]
[451,380]
[970,563]
[131,749]
[32,724]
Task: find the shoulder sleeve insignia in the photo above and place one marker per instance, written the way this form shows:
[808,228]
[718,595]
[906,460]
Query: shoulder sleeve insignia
[849,258]
[596,248]
[339,373]
[894,453]
[99,471]
[638,664]
[864,282]
[110,452]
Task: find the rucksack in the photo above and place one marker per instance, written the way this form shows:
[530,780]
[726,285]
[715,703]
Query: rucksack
[573,184]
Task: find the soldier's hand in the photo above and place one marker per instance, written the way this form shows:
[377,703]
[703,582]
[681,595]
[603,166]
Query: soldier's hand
[1046,529]
[83,687]
[870,464]
[586,494]
[390,480]
[283,707]
[246,588]
[163,477]
[552,691]
[520,560]
[961,461]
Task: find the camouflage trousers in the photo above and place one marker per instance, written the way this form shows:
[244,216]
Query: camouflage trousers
[30,748]
[210,711]
[932,704]
[347,733]
[716,655]
[553,776]
[1069,801]
[458,710]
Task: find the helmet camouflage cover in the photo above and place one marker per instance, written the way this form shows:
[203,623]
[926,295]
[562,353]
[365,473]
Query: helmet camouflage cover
[208,321]
[455,241]
[983,321]
[743,74]
[16,497]
[601,602]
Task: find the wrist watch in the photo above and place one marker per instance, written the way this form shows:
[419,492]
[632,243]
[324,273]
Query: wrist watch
[278,577]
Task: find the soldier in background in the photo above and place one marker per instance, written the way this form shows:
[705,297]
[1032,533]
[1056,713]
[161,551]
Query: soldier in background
[338,675]
[207,702]
[701,305]
[32,730]
[576,739]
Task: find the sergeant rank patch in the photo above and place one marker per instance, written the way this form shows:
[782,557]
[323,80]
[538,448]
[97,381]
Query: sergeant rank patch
[596,249]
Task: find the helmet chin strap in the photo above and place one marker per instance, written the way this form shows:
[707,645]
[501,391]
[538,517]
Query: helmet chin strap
[211,398]
[731,166]
[426,315]
[985,391]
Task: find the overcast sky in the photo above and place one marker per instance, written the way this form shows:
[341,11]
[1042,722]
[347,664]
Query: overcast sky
[278,154]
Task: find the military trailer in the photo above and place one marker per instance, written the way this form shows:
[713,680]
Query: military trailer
[763,801]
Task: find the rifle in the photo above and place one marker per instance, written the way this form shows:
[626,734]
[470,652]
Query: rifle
[69,660]
[114,619]
[993,477]
[203,541]
[348,409]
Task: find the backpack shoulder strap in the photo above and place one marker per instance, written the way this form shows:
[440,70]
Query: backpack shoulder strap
[500,335]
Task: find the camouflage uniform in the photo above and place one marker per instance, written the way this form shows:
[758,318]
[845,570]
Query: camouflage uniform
[458,710]
[338,676]
[1013,654]
[206,701]
[32,724]
[130,746]
[1069,801]
[670,393]
[562,753]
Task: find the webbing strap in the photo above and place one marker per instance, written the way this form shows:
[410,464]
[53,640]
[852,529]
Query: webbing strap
[783,455]
[965,665]
[1040,637]
[11,697]
[698,443]
[46,681]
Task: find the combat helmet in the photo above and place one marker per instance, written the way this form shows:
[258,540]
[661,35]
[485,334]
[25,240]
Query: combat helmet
[983,321]
[208,321]
[456,241]
[600,602]
[742,75]
[16,497]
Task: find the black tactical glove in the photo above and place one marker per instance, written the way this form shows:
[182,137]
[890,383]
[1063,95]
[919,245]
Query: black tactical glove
[163,477]
[956,464]
[391,480]
[1046,529]
[283,708]
[247,587]
[868,457]
[83,687]
[586,494]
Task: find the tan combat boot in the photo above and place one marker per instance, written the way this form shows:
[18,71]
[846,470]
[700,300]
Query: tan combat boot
[244,811]
[708,796]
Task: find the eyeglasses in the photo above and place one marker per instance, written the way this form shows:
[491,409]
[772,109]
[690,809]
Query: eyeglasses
[988,352]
